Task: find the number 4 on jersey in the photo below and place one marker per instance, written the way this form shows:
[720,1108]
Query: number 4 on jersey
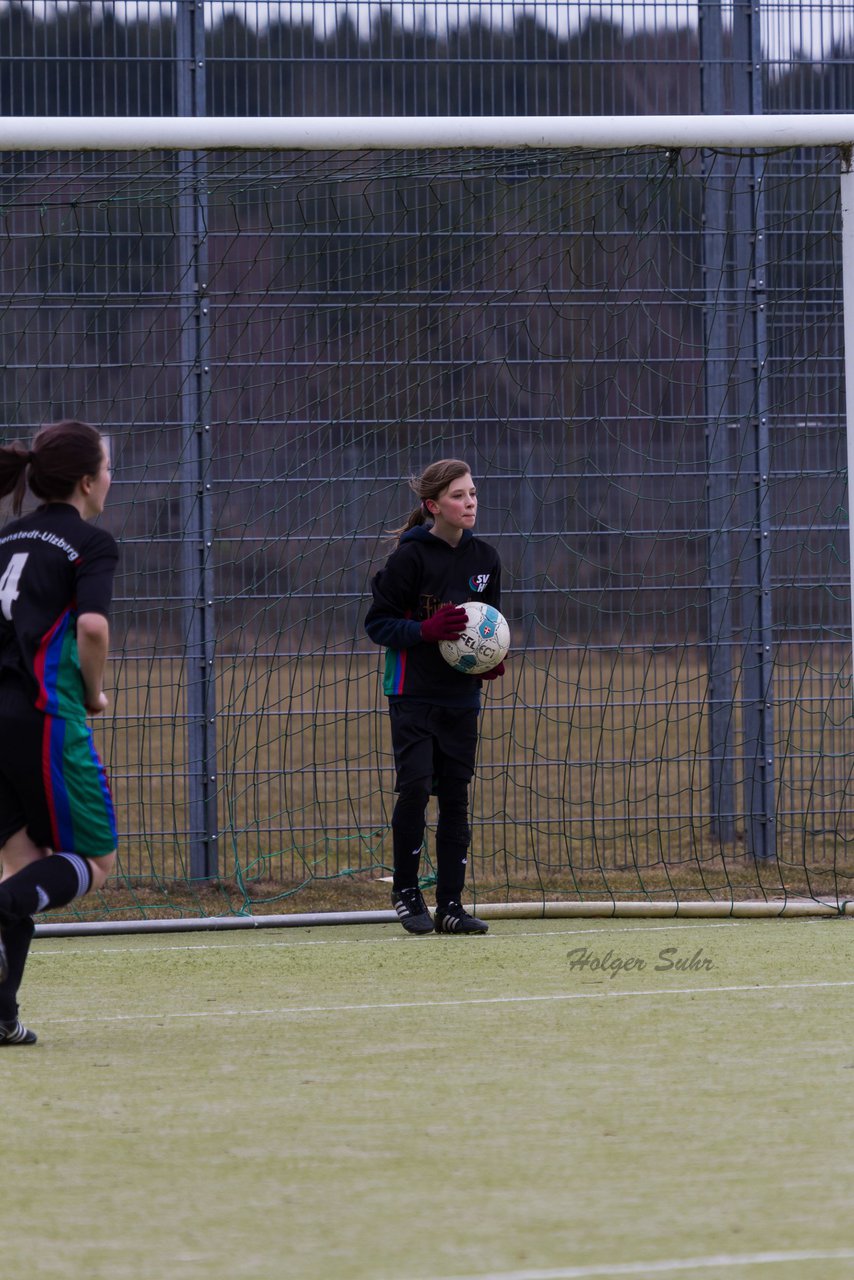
[9,583]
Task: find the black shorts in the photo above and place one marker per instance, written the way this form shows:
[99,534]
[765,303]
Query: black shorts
[52,783]
[432,742]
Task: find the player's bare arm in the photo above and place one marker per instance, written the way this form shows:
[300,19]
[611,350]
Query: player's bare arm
[93,642]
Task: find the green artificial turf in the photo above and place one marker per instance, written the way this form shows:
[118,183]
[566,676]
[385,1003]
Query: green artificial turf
[355,1103]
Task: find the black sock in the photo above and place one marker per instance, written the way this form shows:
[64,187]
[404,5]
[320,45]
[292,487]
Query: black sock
[45,884]
[406,863]
[407,834]
[451,860]
[17,936]
[452,840]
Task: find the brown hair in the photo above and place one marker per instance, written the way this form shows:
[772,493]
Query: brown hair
[60,455]
[429,486]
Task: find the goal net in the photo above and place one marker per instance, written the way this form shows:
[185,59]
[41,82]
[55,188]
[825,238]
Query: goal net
[639,350]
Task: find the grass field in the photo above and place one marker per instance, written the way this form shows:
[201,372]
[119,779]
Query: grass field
[357,1103]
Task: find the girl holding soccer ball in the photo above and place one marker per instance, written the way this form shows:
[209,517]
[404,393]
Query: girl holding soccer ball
[438,565]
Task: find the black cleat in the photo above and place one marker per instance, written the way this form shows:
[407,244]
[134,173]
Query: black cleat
[15,1032]
[412,910]
[453,918]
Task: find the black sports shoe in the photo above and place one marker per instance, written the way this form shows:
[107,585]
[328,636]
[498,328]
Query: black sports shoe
[453,918]
[412,910]
[15,1032]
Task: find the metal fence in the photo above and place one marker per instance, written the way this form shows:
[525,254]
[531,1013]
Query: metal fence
[640,355]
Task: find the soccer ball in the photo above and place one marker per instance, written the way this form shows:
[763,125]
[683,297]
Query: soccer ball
[483,644]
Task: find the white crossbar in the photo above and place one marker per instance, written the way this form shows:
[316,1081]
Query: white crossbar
[329,133]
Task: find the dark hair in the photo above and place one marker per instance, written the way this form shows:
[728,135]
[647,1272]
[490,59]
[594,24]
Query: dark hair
[428,486]
[60,455]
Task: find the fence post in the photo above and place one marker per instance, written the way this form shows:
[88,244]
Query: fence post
[751,286]
[846,201]
[717,414]
[195,461]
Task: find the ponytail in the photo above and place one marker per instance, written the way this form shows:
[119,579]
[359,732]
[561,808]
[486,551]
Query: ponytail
[418,515]
[61,454]
[14,461]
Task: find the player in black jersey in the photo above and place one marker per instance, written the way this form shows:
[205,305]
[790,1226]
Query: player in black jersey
[57,823]
[439,564]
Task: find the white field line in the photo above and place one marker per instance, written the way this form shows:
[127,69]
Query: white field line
[254,942]
[561,997]
[722,1261]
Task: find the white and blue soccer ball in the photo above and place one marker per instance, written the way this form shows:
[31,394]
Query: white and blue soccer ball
[483,644]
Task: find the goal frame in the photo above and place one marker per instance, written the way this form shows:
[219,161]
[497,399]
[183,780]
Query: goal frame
[571,133]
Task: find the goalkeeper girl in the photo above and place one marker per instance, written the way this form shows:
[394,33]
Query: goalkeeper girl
[57,826]
[437,566]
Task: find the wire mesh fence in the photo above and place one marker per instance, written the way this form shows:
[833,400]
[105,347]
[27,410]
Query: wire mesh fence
[640,354]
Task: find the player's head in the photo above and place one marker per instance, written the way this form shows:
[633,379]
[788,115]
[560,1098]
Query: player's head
[62,456]
[438,477]
[429,487]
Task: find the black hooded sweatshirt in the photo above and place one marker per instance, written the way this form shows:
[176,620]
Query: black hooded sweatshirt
[423,574]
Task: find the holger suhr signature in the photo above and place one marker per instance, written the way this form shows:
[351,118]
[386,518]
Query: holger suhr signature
[611,963]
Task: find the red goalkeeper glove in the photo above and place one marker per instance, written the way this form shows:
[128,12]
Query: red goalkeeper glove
[494,673]
[447,623]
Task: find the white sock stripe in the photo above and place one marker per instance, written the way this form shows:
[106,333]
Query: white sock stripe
[81,866]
